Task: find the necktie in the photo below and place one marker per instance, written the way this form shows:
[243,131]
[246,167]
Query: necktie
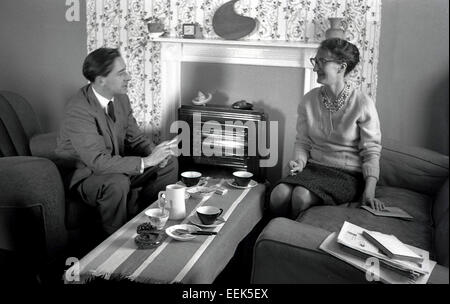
[111,111]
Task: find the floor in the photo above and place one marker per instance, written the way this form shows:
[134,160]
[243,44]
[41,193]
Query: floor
[238,271]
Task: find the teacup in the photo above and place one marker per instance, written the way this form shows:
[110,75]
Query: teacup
[208,214]
[158,217]
[190,178]
[242,178]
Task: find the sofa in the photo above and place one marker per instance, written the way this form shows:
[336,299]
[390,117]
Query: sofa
[412,178]
[38,216]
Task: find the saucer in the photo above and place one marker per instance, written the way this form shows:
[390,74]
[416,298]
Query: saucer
[196,221]
[251,184]
[186,237]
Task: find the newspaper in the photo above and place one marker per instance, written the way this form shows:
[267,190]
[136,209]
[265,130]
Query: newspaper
[352,236]
[374,271]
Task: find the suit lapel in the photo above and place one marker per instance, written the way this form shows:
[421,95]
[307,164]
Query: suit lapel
[106,127]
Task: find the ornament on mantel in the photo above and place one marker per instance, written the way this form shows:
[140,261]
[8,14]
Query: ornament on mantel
[337,28]
[230,25]
[201,99]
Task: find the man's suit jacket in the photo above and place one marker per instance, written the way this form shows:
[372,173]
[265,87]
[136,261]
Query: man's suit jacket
[95,143]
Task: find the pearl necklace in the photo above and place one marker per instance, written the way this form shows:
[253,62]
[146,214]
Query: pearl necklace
[336,104]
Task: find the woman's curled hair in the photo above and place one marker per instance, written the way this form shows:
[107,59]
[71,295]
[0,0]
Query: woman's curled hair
[343,51]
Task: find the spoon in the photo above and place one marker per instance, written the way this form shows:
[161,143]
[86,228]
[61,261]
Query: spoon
[200,232]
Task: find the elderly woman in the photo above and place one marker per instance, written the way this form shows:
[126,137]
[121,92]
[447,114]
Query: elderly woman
[337,148]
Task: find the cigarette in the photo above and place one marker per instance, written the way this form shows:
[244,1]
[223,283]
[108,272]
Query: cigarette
[174,140]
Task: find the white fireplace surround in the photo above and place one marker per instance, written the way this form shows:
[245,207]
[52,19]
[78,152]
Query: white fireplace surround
[174,51]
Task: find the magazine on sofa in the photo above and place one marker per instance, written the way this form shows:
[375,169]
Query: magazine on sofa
[390,212]
[352,236]
[391,246]
[383,274]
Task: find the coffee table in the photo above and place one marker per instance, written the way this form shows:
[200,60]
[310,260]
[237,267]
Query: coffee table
[196,261]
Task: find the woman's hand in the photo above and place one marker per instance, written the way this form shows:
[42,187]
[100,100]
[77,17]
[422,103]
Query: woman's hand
[296,166]
[368,197]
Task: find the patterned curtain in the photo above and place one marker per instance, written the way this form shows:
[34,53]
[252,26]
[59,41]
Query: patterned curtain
[121,23]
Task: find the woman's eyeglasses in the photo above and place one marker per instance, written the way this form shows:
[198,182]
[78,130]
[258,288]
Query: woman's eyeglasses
[321,61]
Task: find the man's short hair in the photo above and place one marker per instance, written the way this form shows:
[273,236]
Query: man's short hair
[99,63]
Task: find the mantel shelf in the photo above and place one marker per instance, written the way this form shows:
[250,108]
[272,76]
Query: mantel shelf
[262,43]
[273,53]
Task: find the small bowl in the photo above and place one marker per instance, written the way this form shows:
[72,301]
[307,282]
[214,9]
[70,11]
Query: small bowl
[208,214]
[157,218]
[242,178]
[190,178]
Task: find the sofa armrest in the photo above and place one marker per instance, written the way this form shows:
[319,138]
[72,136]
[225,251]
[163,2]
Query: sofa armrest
[418,169]
[440,212]
[440,275]
[31,204]
[287,252]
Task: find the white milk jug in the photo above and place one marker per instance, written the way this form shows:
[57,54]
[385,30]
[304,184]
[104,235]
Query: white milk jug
[175,203]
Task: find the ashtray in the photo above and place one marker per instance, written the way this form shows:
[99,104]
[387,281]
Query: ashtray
[242,105]
[148,236]
[145,228]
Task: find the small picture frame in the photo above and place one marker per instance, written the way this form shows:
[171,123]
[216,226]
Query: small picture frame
[189,30]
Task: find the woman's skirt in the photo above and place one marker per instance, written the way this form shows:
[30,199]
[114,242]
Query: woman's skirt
[332,185]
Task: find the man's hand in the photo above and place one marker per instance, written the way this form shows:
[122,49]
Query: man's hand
[159,154]
[368,197]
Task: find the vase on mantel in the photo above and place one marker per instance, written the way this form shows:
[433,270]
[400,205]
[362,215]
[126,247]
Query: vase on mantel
[336,29]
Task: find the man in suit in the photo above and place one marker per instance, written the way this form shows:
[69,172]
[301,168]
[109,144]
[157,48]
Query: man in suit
[111,153]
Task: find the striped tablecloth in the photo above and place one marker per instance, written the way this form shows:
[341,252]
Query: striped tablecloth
[196,261]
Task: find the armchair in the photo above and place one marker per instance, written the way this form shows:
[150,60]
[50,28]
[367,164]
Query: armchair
[37,216]
[415,179]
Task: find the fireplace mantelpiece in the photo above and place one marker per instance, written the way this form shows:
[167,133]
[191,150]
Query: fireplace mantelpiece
[174,51]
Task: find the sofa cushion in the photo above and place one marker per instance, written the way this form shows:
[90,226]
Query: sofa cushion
[13,140]
[417,232]
[332,218]
[414,168]
[24,112]
[417,204]
[6,145]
